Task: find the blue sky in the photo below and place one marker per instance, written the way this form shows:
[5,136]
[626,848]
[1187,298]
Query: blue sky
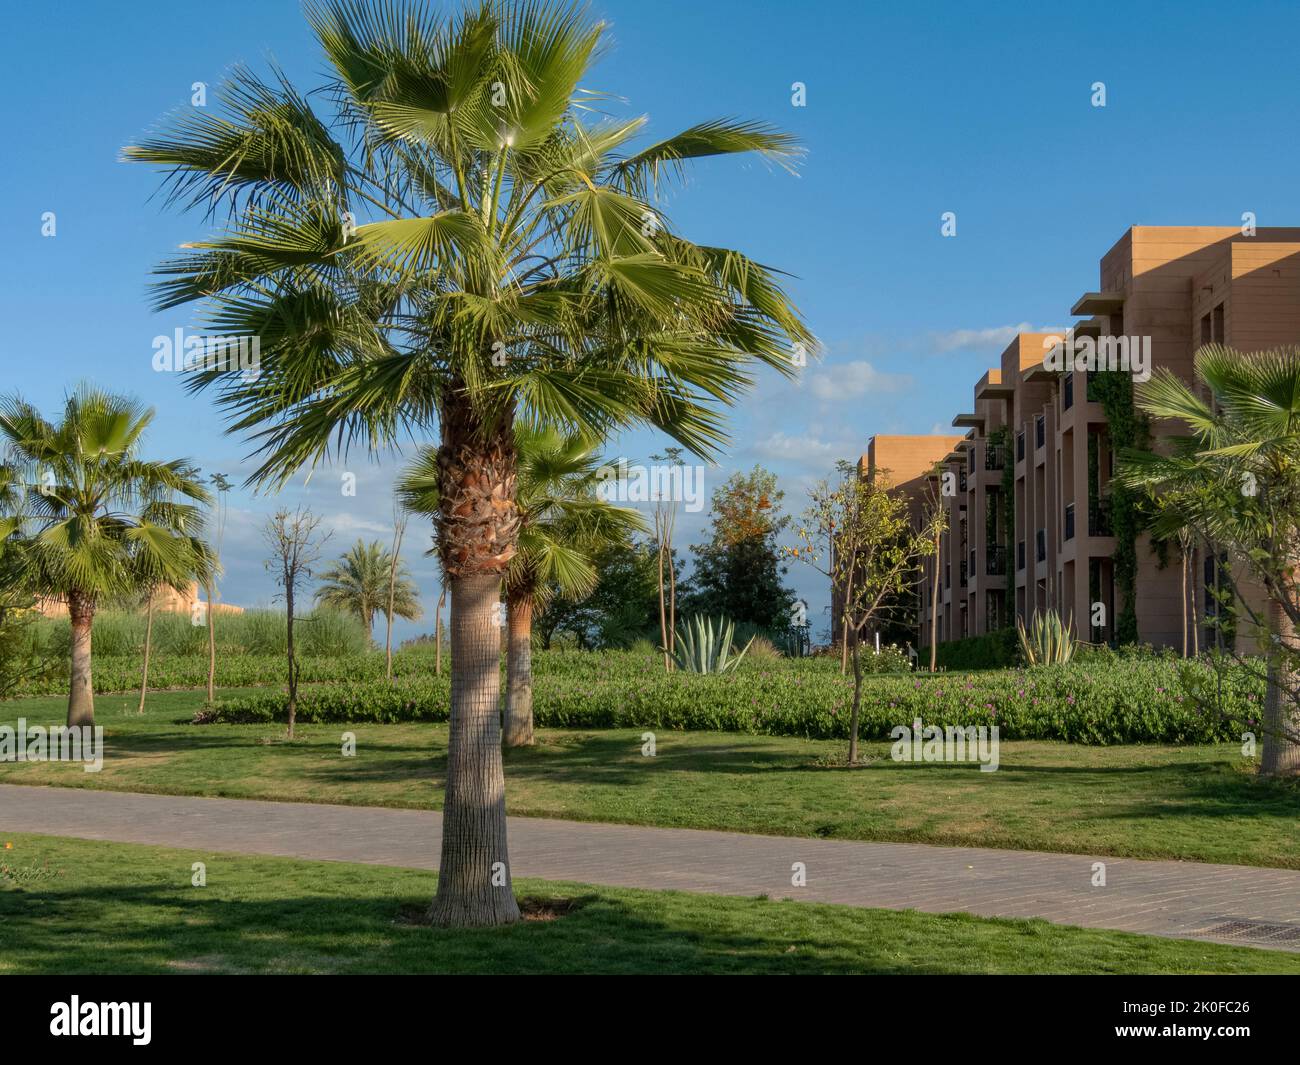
[911,111]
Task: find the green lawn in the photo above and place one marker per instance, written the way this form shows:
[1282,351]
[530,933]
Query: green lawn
[77,906]
[1199,803]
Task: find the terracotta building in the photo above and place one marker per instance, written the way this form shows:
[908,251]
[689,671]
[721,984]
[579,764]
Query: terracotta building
[166,601]
[1029,483]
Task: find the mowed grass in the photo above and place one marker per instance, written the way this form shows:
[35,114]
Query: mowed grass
[1197,803]
[81,906]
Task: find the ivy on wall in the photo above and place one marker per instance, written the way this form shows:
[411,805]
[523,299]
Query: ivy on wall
[1001,437]
[1128,429]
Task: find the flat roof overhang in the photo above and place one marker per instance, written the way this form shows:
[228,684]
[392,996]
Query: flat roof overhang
[1038,373]
[991,387]
[1091,328]
[1098,303]
[969,421]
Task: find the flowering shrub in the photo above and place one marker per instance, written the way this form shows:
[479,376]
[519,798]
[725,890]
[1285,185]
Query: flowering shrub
[1094,703]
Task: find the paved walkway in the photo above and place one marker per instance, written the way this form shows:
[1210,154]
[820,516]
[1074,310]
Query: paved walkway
[1228,903]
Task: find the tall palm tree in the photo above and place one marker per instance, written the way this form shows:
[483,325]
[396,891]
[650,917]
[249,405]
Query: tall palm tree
[96,514]
[562,522]
[358,584]
[1235,473]
[461,244]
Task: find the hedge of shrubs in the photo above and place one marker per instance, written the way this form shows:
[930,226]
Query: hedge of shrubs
[999,649]
[1125,700]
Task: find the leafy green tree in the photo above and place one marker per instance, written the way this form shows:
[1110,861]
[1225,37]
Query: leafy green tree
[622,608]
[358,584]
[876,552]
[738,573]
[460,245]
[1235,473]
[92,510]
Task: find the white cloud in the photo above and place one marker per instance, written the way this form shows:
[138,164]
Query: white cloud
[803,448]
[852,380]
[999,336]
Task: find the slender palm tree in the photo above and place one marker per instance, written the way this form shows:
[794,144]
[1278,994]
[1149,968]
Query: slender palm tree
[358,584]
[1235,472]
[96,514]
[461,243]
[562,522]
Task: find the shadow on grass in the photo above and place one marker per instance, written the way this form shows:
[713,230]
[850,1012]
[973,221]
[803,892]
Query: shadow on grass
[169,929]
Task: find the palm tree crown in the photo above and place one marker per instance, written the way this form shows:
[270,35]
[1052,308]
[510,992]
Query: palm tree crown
[97,519]
[358,584]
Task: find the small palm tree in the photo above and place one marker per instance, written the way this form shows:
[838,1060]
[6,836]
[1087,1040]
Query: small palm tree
[457,247]
[98,517]
[562,523]
[358,584]
[1235,472]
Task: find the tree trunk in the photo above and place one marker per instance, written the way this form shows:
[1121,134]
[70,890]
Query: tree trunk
[934,611]
[81,693]
[1184,554]
[288,645]
[392,589]
[1281,754]
[519,672]
[1196,608]
[663,614]
[437,633]
[148,644]
[857,702]
[672,602]
[212,645]
[478,532]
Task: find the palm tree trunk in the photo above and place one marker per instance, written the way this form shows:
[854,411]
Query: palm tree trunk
[288,650]
[1281,754]
[478,532]
[148,645]
[437,633]
[519,672]
[392,589]
[81,692]
[212,646]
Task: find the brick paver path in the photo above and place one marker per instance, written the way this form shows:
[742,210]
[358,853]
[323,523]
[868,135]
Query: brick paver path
[1181,899]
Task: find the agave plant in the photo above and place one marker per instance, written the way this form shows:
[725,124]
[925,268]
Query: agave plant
[705,645]
[1048,640]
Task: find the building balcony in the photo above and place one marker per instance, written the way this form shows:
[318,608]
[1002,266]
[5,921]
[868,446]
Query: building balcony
[963,574]
[995,561]
[1099,523]
[995,456]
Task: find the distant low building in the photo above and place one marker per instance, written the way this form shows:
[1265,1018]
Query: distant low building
[166,601]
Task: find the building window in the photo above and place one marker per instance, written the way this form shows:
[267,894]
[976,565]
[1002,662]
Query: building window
[1207,336]
[1040,542]
[1067,393]
[1040,431]
[1069,521]
[1020,554]
[1020,446]
[1218,324]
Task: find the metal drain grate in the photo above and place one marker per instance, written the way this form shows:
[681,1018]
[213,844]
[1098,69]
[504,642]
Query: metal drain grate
[1254,931]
